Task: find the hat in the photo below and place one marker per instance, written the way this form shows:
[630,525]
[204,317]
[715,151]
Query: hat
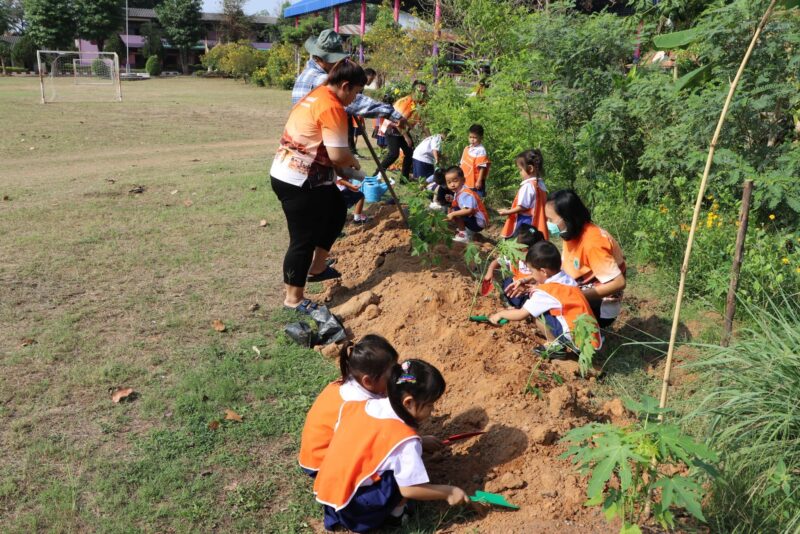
[328,46]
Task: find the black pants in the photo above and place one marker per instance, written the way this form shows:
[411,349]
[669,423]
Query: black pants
[315,217]
[396,143]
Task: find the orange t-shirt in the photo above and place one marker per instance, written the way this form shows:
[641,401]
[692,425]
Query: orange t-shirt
[406,107]
[315,122]
[594,256]
[473,159]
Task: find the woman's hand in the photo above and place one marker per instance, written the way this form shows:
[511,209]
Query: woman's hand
[431,443]
[457,496]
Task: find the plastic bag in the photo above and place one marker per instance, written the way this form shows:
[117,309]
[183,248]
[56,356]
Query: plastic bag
[301,333]
[330,329]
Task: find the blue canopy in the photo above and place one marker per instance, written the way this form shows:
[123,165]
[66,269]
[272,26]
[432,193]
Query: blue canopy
[304,7]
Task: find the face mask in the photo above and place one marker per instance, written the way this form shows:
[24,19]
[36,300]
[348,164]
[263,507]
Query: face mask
[553,229]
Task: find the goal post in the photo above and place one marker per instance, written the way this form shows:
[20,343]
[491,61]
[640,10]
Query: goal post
[69,76]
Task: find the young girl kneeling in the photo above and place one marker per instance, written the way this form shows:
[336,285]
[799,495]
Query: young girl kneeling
[365,369]
[374,463]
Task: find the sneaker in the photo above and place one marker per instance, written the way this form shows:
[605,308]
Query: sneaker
[461,237]
[435,206]
[362,220]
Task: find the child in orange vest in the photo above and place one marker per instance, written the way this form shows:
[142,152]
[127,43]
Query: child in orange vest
[365,369]
[528,205]
[374,463]
[516,291]
[556,301]
[467,210]
[475,161]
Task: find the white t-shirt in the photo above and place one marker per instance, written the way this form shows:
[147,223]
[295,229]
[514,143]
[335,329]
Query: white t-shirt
[541,302]
[351,390]
[527,193]
[465,200]
[424,150]
[406,459]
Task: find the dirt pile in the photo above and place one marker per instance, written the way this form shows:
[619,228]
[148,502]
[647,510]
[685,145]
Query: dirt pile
[494,381]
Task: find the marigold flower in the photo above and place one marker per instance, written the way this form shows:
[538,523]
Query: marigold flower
[785,261]
[771,216]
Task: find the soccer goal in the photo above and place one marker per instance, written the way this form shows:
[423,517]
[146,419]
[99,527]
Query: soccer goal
[78,76]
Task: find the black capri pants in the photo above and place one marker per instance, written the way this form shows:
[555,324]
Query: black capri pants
[315,217]
[396,143]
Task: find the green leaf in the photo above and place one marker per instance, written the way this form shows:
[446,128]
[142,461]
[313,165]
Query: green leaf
[648,405]
[630,529]
[682,492]
[790,4]
[693,78]
[679,39]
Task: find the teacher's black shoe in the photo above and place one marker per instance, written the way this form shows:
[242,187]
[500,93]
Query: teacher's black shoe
[328,274]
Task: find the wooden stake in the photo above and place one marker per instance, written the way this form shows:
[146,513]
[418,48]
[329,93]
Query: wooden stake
[738,255]
[698,204]
[382,172]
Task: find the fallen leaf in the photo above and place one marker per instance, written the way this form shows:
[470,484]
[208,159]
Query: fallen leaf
[121,394]
[206,472]
[255,307]
[255,349]
[263,223]
[230,415]
[253,188]
[232,486]
[26,342]
[218,325]
[187,203]
[32,148]
[174,192]
[195,160]
[111,180]
[213,425]
[6,197]
[139,189]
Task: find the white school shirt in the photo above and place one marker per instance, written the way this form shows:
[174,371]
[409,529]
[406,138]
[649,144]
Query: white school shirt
[527,192]
[541,302]
[521,266]
[406,459]
[465,200]
[351,390]
[424,150]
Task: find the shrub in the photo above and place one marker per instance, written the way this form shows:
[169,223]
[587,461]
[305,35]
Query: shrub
[153,66]
[749,404]
[279,70]
[239,60]
[23,53]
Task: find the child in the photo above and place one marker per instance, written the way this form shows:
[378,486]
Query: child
[556,301]
[352,195]
[427,156]
[467,209]
[475,161]
[374,462]
[442,197]
[515,290]
[365,369]
[528,205]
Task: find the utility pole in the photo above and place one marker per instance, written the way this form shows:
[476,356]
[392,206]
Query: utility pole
[127,42]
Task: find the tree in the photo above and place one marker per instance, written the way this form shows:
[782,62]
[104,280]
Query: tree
[14,16]
[51,23]
[23,53]
[5,55]
[297,36]
[147,4]
[152,34]
[115,44]
[5,19]
[181,22]
[235,25]
[98,19]
[394,52]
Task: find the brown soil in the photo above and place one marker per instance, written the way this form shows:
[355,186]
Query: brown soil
[423,311]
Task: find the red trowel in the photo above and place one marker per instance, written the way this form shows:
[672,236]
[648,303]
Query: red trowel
[459,437]
[486,288]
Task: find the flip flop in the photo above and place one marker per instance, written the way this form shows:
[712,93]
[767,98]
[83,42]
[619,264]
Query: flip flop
[328,274]
[305,307]
[330,262]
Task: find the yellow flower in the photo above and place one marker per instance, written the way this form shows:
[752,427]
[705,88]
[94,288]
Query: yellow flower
[674,233]
[797,270]
[785,261]
[685,227]
[396,91]
[719,224]
[771,216]
[663,209]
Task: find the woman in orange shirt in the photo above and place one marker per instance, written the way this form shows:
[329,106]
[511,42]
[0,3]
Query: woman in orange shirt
[397,140]
[303,176]
[591,255]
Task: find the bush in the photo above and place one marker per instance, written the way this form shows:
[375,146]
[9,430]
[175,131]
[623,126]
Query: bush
[279,70]
[749,404]
[15,70]
[23,53]
[239,60]
[153,66]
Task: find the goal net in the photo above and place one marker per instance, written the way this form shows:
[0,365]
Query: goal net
[79,76]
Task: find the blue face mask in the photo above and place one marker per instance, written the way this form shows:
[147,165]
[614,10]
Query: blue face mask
[553,229]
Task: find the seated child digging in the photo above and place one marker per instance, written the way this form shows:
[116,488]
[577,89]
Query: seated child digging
[514,286]
[352,195]
[555,302]
[467,210]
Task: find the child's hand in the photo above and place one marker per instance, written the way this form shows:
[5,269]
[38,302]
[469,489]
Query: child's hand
[457,496]
[495,318]
[450,217]
[431,443]
[489,276]
[503,212]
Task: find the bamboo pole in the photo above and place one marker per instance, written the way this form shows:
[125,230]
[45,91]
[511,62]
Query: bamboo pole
[698,203]
[382,172]
[736,267]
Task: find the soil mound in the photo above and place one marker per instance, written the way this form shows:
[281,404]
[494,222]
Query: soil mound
[494,381]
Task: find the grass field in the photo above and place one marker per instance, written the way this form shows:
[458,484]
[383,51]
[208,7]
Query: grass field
[102,288]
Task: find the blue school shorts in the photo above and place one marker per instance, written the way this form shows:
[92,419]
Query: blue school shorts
[370,507]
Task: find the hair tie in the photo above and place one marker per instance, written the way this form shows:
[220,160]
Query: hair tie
[406,378]
[405,366]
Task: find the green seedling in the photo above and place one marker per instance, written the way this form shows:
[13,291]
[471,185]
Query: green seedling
[484,497]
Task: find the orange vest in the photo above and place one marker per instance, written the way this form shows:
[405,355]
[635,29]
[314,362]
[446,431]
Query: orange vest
[474,195]
[358,448]
[405,106]
[573,305]
[318,428]
[470,164]
[516,272]
[535,212]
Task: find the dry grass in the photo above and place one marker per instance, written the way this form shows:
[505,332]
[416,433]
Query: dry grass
[120,289]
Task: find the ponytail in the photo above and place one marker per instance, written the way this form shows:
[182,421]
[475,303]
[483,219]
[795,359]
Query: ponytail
[532,158]
[417,378]
[371,356]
